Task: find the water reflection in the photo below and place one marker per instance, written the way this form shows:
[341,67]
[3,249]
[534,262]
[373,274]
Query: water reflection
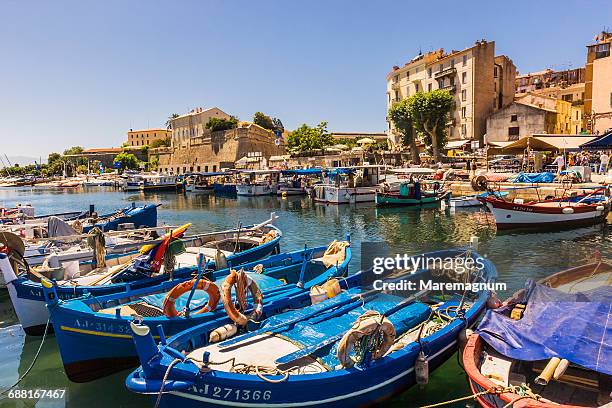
[405,229]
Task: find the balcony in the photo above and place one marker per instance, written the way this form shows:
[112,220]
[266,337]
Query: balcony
[395,85]
[450,88]
[445,72]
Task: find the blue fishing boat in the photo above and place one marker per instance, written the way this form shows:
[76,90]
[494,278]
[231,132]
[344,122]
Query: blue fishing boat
[140,216]
[225,184]
[354,349]
[93,332]
[222,248]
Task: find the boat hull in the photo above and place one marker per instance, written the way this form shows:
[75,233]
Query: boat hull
[291,191]
[344,195]
[386,199]
[253,190]
[518,216]
[224,189]
[360,388]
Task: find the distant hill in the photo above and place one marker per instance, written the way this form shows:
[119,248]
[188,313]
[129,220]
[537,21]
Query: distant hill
[21,160]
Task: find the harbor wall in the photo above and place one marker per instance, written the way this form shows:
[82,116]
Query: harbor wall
[218,150]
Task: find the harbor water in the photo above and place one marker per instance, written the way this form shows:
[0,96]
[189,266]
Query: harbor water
[517,257]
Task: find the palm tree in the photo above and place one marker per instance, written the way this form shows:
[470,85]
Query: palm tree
[170,118]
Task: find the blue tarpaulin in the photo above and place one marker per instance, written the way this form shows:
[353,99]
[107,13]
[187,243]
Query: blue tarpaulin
[302,172]
[338,171]
[574,326]
[534,178]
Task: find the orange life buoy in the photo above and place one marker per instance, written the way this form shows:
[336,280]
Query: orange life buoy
[243,283]
[367,324]
[203,284]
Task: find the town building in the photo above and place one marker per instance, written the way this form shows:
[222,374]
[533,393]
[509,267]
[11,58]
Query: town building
[213,151]
[144,137]
[569,116]
[193,124]
[598,84]
[549,78]
[519,120]
[573,94]
[479,82]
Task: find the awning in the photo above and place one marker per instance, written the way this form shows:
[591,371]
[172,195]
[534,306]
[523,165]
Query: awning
[599,143]
[498,144]
[303,172]
[549,143]
[456,144]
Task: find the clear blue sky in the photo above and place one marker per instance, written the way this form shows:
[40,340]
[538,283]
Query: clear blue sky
[84,72]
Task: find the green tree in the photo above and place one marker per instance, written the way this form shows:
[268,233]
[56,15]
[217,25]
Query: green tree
[165,142]
[430,112]
[127,160]
[400,115]
[53,157]
[264,121]
[73,150]
[216,124]
[307,138]
[170,119]
[154,161]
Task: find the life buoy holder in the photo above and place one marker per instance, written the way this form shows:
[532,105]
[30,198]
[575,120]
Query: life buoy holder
[243,283]
[203,284]
[371,323]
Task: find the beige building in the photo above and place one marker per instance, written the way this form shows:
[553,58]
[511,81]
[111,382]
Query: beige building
[138,138]
[598,86]
[573,94]
[569,115]
[548,78]
[214,151]
[519,120]
[479,82]
[193,124]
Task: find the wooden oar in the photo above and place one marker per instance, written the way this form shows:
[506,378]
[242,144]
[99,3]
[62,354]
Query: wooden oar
[296,355]
[283,326]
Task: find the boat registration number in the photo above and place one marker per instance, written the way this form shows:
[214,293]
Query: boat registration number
[236,394]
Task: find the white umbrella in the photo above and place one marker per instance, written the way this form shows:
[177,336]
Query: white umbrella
[366,140]
[340,146]
[357,149]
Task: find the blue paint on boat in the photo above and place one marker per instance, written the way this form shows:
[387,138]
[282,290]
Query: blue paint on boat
[187,385]
[29,294]
[93,343]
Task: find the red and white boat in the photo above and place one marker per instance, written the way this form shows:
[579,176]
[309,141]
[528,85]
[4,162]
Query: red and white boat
[499,381]
[556,213]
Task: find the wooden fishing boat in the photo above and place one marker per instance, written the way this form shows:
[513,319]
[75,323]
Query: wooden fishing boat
[356,348]
[258,183]
[93,332]
[555,213]
[569,378]
[200,183]
[225,184]
[349,185]
[298,181]
[142,216]
[411,194]
[221,249]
